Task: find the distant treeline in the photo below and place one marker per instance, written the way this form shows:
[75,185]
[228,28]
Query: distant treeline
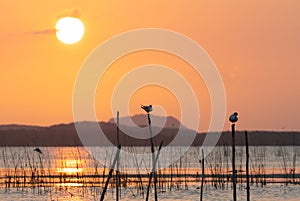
[66,135]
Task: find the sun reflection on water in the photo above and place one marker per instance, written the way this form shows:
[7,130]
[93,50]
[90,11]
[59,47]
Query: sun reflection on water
[70,166]
[69,170]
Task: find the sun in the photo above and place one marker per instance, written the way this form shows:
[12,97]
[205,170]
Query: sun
[69,30]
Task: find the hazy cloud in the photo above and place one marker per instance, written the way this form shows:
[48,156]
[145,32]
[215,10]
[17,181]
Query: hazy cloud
[70,13]
[42,32]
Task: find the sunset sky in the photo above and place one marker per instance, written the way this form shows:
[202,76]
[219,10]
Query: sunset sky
[254,44]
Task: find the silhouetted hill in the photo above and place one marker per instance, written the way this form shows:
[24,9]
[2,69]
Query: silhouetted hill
[142,121]
[66,135]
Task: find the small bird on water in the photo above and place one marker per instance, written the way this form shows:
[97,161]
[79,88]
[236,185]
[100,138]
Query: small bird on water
[38,150]
[147,108]
[233,118]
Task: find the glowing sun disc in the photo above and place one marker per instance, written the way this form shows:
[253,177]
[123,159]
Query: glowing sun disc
[69,30]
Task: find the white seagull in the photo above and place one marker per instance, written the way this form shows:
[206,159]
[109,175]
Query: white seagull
[147,108]
[233,118]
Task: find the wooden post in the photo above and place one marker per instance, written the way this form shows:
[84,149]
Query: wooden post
[118,160]
[233,163]
[202,180]
[247,166]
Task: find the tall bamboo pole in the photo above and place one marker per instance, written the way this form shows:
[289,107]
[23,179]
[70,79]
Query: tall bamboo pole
[153,161]
[110,174]
[233,163]
[202,180]
[115,161]
[247,166]
[118,160]
[152,172]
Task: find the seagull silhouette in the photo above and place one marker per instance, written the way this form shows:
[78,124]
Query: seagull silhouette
[38,150]
[233,118]
[147,108]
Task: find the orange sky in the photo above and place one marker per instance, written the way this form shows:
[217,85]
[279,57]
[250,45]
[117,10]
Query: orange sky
[255,45]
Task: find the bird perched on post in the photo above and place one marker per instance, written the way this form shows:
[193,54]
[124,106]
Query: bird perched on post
[147,108]
[233,118]
[38,150]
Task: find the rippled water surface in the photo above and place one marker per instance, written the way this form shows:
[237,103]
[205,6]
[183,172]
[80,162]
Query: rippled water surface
[72,173]
[269,192]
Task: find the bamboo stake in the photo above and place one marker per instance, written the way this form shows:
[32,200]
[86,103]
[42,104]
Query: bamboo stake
[110,174]
[152,151]
[233,163]
[118,160]
[153,158]
[247,166]
[202,180]
[152,173]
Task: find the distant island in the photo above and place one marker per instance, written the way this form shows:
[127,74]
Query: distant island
[66,135]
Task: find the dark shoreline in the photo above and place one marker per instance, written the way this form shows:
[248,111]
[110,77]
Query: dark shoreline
[66,135]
